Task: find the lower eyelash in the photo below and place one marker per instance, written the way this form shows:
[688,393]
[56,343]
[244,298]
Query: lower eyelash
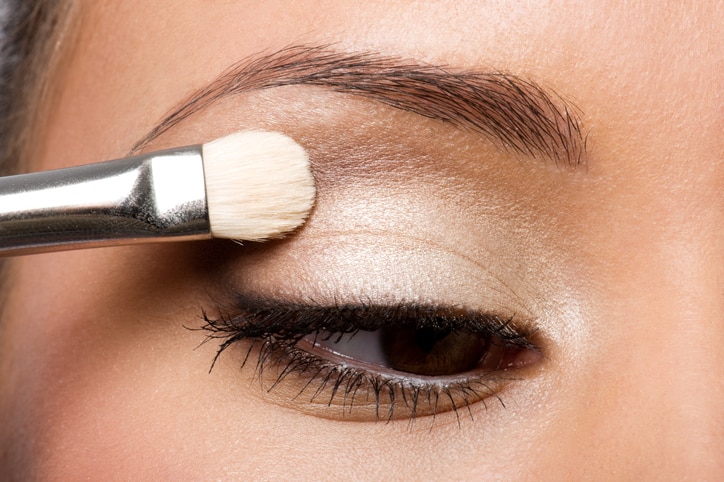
[392,391]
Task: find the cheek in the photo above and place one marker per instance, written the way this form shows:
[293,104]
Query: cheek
[101,367]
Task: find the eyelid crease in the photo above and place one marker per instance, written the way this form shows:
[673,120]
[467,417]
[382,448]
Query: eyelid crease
[398,239]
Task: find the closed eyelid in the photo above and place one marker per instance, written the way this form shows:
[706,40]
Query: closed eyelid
[382,267]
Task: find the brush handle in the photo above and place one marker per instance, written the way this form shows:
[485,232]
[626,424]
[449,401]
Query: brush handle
[148,198]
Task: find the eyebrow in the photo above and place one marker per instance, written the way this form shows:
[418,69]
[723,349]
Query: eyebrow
[514,113]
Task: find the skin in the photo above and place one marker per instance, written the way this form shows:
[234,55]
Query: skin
[618,264]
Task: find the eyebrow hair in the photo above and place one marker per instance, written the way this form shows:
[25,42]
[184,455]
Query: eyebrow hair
[514,113]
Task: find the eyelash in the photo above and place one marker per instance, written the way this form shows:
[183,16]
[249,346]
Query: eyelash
[275,330]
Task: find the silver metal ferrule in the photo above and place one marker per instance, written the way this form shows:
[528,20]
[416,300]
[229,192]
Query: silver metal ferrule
[149,198]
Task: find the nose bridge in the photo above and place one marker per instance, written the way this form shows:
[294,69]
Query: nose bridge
[652,393]
[692,325]
[657,406]
[680,377]
[691,374]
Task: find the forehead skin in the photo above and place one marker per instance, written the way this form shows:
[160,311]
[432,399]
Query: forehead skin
[98,378]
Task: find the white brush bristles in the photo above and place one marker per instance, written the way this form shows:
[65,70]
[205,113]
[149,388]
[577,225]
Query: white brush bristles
[258,185]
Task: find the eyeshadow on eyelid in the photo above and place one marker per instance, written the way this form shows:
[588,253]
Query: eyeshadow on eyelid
[385,269]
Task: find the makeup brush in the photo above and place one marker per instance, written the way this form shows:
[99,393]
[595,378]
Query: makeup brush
[248,186]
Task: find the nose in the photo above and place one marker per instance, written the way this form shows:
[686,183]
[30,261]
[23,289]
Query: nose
[659,395]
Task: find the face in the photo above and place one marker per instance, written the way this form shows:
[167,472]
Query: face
[576,283]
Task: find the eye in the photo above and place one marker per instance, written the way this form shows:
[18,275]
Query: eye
[433,352]
[368,362]
[425,351]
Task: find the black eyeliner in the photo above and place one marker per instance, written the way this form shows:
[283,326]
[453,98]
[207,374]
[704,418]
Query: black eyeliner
[252,317]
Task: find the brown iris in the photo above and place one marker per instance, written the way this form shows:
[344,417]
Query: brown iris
[432,351]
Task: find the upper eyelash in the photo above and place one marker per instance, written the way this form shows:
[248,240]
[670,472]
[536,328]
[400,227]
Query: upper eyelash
[259,318]
[279,325]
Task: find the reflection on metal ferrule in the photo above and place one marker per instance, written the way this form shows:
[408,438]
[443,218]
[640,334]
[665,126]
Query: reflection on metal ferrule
[146,198]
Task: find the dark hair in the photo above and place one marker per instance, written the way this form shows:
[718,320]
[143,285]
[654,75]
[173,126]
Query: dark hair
[28,29]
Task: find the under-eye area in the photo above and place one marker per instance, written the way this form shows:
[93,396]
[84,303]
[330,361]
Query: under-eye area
[371,362]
